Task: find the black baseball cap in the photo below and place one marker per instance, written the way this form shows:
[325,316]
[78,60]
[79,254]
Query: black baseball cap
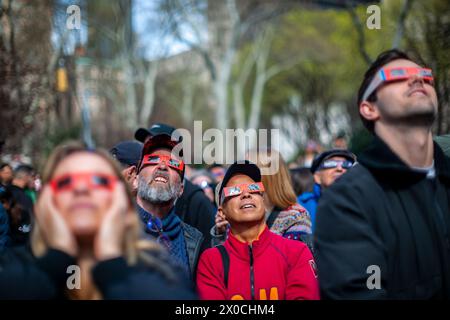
[158,128]
[127,152]
[331,153]
[240,167]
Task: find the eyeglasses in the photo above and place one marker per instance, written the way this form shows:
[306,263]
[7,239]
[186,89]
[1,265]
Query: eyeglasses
[233,191]
[395,74]
[331,164]
[154,159]
[154,225]
[93,180]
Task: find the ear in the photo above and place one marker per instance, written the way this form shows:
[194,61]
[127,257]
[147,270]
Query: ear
[369,111]
[133,171]
[135,182]
[317,178]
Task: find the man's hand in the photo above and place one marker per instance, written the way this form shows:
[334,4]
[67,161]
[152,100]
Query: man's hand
[54,228]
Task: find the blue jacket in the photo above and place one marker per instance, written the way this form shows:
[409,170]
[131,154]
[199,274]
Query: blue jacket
[309,201]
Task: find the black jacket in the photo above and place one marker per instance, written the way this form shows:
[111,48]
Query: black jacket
[20,232]
[381,213]
[195,209]
[22,276]
[193,239]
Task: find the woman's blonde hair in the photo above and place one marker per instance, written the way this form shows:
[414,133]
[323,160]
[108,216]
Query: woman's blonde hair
[132,246]
[278,185]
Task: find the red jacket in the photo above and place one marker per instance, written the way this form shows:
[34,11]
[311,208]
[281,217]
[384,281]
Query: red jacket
[271,268]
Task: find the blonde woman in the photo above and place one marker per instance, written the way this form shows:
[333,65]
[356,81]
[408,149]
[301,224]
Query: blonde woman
[86,226]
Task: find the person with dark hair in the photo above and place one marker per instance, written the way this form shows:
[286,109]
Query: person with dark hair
[217,171]
[382,229]
[302,180]
[20,220]
[6,174]
[5,203]
[254,263]
[128,154]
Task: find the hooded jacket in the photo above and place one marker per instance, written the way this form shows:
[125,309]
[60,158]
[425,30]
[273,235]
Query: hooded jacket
[270,268]
[384,220]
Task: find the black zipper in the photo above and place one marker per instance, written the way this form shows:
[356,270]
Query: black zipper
[252,276]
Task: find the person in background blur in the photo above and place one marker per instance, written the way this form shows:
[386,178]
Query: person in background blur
[326,168]
[202,179]
[311,150]
[340,141]
[6,174]
[128,154]
[302,180]
[5,202]
[217,171]
[20,222]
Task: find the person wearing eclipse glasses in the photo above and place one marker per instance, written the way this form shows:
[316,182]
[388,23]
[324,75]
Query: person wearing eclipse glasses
[382,229]
[253,263]
[159,184]
[85,241]
[326,168]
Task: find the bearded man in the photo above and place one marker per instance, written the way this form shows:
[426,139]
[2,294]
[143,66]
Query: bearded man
[159,184]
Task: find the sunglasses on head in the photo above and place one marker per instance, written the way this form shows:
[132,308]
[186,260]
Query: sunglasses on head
[331,164]
[385,75]
[255,187]
[154,159]
[93,180]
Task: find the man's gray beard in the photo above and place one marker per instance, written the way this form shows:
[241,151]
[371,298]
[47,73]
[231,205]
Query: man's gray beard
[157,195]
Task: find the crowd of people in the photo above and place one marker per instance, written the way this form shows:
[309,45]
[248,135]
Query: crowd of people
[138,223]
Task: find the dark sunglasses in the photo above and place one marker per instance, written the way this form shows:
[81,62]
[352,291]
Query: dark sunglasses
[331,164]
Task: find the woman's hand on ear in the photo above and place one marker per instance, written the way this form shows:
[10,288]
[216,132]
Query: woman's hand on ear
[52,224]
[109,238]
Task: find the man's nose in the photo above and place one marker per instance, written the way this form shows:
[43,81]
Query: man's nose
[162,165]
[416,78]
